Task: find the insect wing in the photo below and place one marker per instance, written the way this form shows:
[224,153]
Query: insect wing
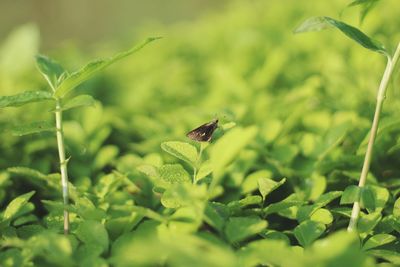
[204,132]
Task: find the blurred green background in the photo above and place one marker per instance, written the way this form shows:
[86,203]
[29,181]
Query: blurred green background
[90,21]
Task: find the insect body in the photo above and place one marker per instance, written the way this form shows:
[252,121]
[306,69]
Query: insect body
[204,132]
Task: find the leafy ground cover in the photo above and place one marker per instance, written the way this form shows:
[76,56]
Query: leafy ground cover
[274,187]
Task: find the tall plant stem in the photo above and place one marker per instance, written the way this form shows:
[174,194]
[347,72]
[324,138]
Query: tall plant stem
[391,62]
[63,164]
[203,145]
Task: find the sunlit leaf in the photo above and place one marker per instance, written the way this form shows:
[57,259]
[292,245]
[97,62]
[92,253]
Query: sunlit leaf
[378,240]
[79,101]
[227,148]
[33,128]
[174,173]
[366,7]
[240,228]
[24,98]
[266,186]
[85,73]
[367,222]
[350,195]
[323,216]
[51,70]
[16,205]
[94,234]
[308,231]
[321,23]
[181,150]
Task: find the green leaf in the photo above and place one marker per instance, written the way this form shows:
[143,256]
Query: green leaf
[92,68]
[24,98]
[148,170]
[290,201]
[270,253]
[11,257]
[321,23]
[181,150]
[53,248]
[326,198]
[87,210]
[276,235]
[367,199]
[366,6]
[25,219]
[247,201]
[93,233]
[361,2]
[105,156]
[315,186]
[51,70]
[308,231]
[396,208]
[305,212]
[174,174]
[378,240]
[266,186]
[380,195]
[183,194]
[340,248]
[250,182]
[27,172]
[33,128]
[240,228]
[16,205]
[228,147]
[367,223]
[350,195]
[323,216]
[205,169]
[388,255]
[79,101]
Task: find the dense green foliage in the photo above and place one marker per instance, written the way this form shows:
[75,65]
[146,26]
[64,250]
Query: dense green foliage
[273,188]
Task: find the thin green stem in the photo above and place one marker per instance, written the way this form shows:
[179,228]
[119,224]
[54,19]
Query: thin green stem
[194,175]
[374,129]
[63,164]
[203,145]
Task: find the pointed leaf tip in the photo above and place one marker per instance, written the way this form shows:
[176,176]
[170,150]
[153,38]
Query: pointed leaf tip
[94,67]
[321,23]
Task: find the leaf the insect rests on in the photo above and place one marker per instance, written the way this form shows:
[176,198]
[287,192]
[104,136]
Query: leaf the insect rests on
[79,101]
[94,67]
[181,150]
[32,128]
[51,70]
[24,98]
[321,23]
